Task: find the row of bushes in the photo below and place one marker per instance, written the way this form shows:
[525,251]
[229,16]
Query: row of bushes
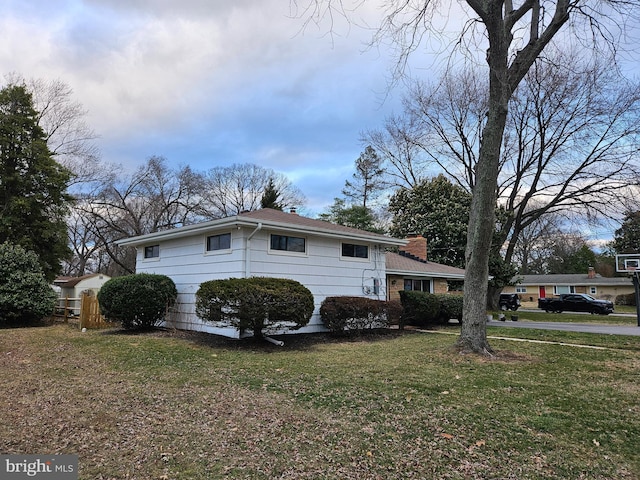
[340,314]
[262,304]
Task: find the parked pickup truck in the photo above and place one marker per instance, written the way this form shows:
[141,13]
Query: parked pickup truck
[575,302]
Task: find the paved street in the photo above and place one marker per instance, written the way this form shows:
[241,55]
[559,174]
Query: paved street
[571,327]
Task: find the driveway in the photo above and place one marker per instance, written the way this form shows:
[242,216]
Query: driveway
[571,327]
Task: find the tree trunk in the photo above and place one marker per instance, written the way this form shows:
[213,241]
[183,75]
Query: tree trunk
[473,335]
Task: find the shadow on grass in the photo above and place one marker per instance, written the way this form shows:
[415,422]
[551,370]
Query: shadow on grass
[293,341]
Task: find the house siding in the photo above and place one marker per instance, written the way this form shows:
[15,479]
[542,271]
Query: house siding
[321,269]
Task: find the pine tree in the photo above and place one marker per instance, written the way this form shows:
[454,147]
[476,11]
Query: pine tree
[33,197]
[270,197]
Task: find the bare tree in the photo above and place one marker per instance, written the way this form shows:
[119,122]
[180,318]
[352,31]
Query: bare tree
[233,189]
[405,162]
[71,140]
[152,199]
[534,246]
[514,34]
[570,144]
[366,182]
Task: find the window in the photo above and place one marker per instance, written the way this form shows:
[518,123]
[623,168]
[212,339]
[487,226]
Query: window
[417,285]
[356,251]
[520,289]
[288,244]
[219,242]
[561,289]
[152,251]
[593,290]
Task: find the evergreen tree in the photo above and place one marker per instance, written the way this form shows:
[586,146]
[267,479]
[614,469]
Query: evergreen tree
[270,197]
[355,216]
[439,211]
[627,237]
[33,197]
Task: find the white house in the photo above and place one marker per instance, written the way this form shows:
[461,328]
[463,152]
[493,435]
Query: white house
[330,260]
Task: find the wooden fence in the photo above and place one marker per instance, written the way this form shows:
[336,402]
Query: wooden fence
[84,310]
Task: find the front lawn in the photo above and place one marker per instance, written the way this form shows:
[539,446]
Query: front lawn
[176,405]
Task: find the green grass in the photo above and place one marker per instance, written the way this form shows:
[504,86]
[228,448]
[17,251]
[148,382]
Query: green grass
[190,406]
[569,317]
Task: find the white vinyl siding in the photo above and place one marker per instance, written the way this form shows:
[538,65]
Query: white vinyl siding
[320,269]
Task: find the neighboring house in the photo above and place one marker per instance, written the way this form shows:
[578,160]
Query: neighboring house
[74,287]
[532,287]
[410,270]
[328,259]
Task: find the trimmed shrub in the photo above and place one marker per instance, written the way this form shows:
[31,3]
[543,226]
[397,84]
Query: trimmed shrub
[626,299]
[450,307]
[259,304]
[138,301]
[25,295]
[419,308]
[340,314]
[422,308]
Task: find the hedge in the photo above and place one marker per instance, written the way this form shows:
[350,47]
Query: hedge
[138,301]
[345,314]
[422,308]
[259,304]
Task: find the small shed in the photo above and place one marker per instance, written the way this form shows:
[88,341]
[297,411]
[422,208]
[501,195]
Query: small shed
[74,287]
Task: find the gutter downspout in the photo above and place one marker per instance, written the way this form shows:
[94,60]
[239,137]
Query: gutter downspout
[247,260]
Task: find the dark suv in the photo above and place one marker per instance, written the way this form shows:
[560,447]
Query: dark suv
[509,301]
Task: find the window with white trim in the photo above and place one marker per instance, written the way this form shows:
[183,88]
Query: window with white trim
[354,250]
[219,242]
[593,290]
[286,243]
[521,289]
[417,285]
[152,251]
[562,289]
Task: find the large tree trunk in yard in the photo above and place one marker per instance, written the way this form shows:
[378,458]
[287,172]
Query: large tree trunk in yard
[473,335]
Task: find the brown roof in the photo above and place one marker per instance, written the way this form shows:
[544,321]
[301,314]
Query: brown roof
[270,218]
[69,282]
[400,264]
[277,216]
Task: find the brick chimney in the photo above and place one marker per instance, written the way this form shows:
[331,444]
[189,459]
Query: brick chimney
[592,273]
[416,246]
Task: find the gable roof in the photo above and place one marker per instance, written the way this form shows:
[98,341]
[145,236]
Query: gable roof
[577,279]
[267,218]
[397,264]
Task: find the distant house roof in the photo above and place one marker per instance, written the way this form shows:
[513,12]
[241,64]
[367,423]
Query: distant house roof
[398,264]
[270,218]
[578,279]
[70,282]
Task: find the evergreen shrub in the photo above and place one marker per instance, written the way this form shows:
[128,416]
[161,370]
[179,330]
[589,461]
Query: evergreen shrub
[423,308]
[346,314]
[257,304]
[25,294]
[139,301]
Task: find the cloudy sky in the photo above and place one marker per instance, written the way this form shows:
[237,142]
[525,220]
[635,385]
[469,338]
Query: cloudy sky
[211,82]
